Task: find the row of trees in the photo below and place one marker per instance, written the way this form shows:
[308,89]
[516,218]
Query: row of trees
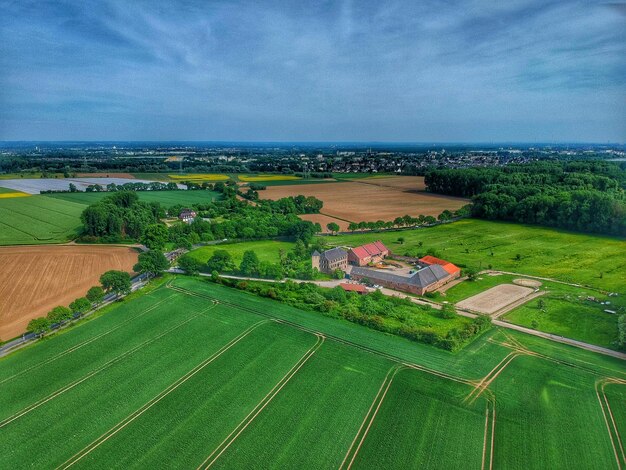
[113,282]
[405,221]
[585,196]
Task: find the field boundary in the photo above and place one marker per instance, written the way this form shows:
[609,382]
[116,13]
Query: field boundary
[250,417]
[490,433]
[369,418]
[99,369]
[156,399]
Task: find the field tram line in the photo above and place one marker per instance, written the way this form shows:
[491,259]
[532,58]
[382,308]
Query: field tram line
[336,339]
[265,401]
[486,381]
[609,420]
[370,416]
[157,398]
[97,370]
[86,342]
[490,433]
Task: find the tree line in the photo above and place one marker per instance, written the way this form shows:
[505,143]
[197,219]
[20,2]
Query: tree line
[586,196]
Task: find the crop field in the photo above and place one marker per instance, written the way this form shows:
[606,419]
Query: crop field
[38,219]
[591,260]
[259,178]
[195,375]
[6,193]
[35,186]
[366,200]
[34,279]
[266,250]
[165,198]
[199,177]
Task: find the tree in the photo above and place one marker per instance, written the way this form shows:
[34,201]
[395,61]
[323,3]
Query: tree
[80,305]
[73,188]
[332,227]
[249,264]
[117,282]
[352,226]
[621,331]
[155,236]
[95,295]
[151,263]
[38,326]
[189,264]
[401,240]
[447,311]
[300,250]
[541,304]
[59,314]
[220,261]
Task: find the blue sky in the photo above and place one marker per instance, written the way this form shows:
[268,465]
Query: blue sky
[411,71]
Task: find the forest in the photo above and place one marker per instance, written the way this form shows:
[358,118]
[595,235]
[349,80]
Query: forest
[586,196]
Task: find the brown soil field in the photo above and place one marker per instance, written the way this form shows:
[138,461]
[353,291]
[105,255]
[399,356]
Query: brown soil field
[405,183]
[360,201]
[494,299]
[324,220]
[105,175]
[34,279]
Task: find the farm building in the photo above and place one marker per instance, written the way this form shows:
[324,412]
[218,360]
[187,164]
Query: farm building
[448,266]
[427,279]
[368,253]
[187,215]
[358,288]
[330,260]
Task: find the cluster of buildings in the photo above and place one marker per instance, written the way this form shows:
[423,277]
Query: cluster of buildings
[360,264]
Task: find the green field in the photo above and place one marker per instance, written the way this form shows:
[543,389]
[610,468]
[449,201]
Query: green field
[172,378]
[41,219]
[37,220]
[586,259]
[266,250]
[165,198]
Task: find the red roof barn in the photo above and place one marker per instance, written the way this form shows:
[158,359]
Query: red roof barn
[449,267]
[368,253]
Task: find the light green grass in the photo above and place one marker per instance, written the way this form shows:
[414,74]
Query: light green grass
[165,198]
[100,372]
[545,252]
[266,250]
[466,289]
[37,220]
[29,175]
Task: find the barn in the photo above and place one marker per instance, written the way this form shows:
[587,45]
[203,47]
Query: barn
[368,253]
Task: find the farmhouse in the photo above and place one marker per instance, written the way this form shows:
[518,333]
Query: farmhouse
[330,260]
[424,280]
[368,253]
[187,215]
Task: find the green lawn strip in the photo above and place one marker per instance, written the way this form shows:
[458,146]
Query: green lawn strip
[26,389]
[76,418]
[474,360]
[183,429]
[548,416]
[312,422]
[572,257]
[423,423]
[266,250]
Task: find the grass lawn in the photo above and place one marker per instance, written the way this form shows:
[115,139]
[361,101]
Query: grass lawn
[29,175]
[169,378]
[592,260]
[200,177]
[266,250]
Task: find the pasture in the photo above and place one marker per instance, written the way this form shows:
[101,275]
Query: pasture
[561,310]
[34,279]
[199,177]
[266,250]
[591,260]
[194,375]
[372,199]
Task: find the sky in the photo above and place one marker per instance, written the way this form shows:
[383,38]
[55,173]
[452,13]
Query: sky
[388,71]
